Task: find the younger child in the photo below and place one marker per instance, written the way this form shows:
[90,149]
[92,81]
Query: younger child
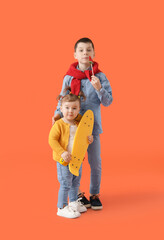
[61,141]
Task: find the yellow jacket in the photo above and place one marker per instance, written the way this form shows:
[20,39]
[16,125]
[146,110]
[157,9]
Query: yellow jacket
[59,137]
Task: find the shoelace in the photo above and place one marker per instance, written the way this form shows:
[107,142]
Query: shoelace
[81,195]
[95,196]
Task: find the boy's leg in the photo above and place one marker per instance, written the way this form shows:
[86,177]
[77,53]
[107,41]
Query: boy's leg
[65,180]
[95,180]
[95,164]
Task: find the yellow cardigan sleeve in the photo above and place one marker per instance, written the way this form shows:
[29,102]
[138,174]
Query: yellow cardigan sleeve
[54,136]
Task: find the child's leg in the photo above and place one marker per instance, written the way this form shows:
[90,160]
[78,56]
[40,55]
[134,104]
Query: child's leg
[95,164]
[73,193]
[79,191]
[75,204]
[65,180]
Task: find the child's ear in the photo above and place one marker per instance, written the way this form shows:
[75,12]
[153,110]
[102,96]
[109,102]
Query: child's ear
[75,55]
[61,108]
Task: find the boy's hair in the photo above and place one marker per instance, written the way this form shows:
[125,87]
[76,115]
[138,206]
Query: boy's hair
[84,40]
[69,97]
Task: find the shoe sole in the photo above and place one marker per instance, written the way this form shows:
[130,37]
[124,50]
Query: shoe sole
[82,211]
[60,215]
[87,205]
[96,207]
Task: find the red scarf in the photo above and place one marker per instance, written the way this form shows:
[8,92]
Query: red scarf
[78,75]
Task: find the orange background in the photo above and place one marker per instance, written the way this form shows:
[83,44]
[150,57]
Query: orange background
[37,39]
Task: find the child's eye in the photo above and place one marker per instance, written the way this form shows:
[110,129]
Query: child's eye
[67,107]
[89,50]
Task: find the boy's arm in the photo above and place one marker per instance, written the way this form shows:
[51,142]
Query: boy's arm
[53,139]
[66,83]
[55,118]
[105,93]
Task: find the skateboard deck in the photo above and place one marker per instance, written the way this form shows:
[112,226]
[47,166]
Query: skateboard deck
[81,143]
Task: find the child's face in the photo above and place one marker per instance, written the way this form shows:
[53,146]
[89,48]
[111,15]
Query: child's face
[70,110]
[83,51]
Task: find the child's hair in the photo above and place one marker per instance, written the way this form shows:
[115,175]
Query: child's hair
[84,40]
[69,97]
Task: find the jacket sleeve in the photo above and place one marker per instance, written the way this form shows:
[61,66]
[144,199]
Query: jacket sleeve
[53,140]
[66,82]
[105,93]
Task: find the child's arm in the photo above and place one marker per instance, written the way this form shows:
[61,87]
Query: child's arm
[66,156]
[103,88]
[66,83]
[96,83]
[55,118]
[90,139]
[53,140]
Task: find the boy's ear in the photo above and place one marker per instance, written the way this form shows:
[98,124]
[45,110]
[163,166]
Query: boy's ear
[61,108]
[75,55]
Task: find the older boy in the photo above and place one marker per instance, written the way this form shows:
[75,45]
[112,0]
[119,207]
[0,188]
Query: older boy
[97,90]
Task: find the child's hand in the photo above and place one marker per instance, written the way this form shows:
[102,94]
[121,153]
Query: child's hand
[66,156]
[90,139]
[96,83]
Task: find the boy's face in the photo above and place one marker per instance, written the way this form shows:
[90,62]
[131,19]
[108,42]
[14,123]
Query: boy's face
[83,51]
[70,110]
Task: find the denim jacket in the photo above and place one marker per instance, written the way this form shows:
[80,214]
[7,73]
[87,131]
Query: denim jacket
[93,98]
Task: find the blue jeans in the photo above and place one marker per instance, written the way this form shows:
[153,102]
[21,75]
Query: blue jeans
[94,160]
[69,185]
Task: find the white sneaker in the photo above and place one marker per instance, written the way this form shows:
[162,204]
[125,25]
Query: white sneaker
[77,206]
[68,212]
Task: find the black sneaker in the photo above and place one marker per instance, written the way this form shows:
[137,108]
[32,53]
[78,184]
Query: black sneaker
[95,202]
[84,200]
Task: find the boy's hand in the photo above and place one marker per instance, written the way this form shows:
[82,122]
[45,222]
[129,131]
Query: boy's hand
[96,83]
[55,118]
[90,139]
[66,156]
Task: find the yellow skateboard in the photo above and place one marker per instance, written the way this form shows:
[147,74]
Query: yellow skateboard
[81,143]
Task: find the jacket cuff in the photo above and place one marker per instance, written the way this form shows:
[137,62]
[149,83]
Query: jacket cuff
[100,92]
